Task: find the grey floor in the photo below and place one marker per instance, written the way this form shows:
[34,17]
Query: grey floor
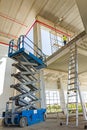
[49,124]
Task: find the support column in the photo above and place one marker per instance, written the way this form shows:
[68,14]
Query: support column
[37,41]
[42,87]
[37,35]
[61,94]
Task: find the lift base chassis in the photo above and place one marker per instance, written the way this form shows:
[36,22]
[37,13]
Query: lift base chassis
[24,118]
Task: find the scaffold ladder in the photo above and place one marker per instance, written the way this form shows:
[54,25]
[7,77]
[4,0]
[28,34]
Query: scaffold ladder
[72,88]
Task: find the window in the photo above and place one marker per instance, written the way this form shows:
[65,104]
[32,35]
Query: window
[52,101]
[55,41]
[46,46]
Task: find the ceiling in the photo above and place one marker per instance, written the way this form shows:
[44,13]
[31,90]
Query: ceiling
[16,16]
[82,6]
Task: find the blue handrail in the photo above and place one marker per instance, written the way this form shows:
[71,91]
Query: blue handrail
[25,43]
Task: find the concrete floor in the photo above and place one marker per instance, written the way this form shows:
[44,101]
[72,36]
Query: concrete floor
[49,124]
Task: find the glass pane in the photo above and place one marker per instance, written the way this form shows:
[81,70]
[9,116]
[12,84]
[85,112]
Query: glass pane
[46,47]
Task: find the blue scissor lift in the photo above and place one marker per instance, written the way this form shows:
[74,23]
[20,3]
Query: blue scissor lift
[22,109]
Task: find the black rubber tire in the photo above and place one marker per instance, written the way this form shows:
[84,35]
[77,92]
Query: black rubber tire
[61,123]
[85,127]
[3,123]
[23,122]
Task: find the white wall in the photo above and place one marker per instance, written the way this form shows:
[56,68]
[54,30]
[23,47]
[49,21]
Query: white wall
[51,84]
[5,77]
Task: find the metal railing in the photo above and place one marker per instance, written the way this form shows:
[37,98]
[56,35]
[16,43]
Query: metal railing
[28,45]
[12,47]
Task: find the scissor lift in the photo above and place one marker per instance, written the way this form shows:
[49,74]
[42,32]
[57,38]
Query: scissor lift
[24,108]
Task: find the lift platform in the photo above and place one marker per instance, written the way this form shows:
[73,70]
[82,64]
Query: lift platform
[29,51]
[24,108]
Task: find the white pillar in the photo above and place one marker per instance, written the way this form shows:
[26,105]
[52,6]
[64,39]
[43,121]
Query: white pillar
[37,41]
[5,78]
[82,104]
[37,35]
[42,87]
[61,94]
